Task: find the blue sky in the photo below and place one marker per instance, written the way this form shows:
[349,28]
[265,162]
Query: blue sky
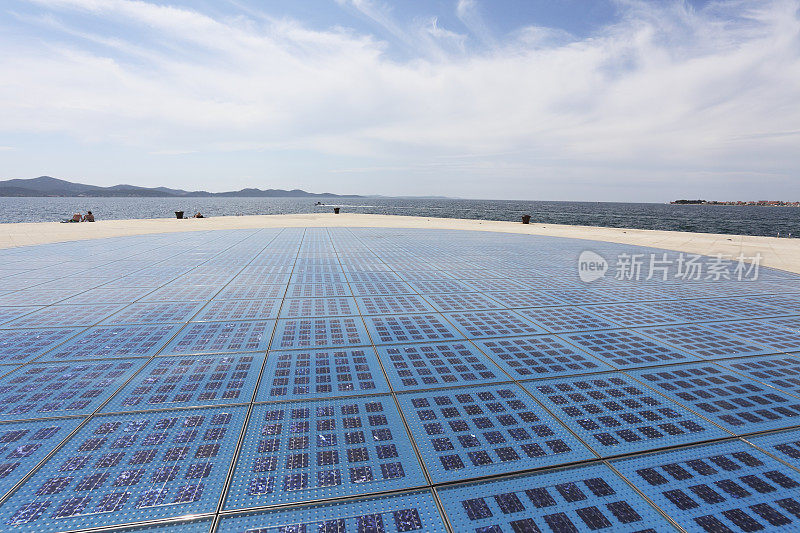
[523,99]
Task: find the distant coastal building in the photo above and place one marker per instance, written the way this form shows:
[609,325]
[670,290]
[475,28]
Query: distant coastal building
[768,203]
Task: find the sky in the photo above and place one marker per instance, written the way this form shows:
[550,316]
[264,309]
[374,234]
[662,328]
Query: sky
[597,100]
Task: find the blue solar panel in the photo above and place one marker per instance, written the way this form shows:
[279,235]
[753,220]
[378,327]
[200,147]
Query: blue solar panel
[432,286]
[437,364]
[526,298]
[35,296]
[462,302]
[497,284]
[155,312]
[566,319]
[200,525]
[704,341]
[250,292]
[7,314]
[130,468]
[372,276]
[741,307]
[785,445]
[39,390]
[632,314]
[112,295]
[317,290]
[307,451]
[24,444]
[182,293]
[733,401]
[329,276]
[221,337]
[764,332]
[314,374]
[479,431]
[19,346]
[318,307]
[540,356]
[627,349]
[396,329]
[414,511]
[779,371]
[723,487]
[334,332]
[497,323]
[614,414]
[65,315]
[375,288]
[115,342]
[168,382]
[393,305]
[688,310]
[581,499]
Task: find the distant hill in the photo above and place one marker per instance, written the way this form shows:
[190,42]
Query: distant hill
[45,186]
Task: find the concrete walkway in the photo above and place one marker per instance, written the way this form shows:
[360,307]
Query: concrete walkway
[777,253]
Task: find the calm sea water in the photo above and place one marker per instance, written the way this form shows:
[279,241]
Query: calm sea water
[737,220]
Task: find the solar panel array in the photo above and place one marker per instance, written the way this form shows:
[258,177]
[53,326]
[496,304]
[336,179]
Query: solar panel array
[380,380]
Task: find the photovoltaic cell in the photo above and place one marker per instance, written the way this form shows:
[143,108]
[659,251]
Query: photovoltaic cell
[318,307]
[540,356]
[168,382]
[7,314]
[478,431]
[722,487]
[779,371]
[317,290]
[307,451]
[375,288]
[414,511]
[393,305]
[433,365]
[112,295]
[566,319]
[314,374]
[155,313]
[733,401]
[396,329]
[462,302]
[41,390]
[525,298]
[182,293]
[499,323]
[704,342]
[785,445]
[65,315]
[122,341]
[615,415]
[580,499]
[222,337]
[767,333]
[24,444]
[19,346]
[129,468]
[250,292]
[334,332]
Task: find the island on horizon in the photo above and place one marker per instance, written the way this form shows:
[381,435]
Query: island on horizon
[768,203]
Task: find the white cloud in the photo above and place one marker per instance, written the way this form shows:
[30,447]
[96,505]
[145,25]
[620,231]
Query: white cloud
[666,90]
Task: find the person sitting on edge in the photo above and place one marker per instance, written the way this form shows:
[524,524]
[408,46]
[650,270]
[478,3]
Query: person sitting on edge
[88,217]
[198,215]
[76,217]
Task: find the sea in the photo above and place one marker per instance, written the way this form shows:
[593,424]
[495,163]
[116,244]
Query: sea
[735,220]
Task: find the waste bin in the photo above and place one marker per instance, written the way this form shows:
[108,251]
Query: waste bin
[335,210]
[526,219]
[178,214]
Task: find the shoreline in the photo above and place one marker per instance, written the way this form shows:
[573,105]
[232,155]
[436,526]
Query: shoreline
[778,253]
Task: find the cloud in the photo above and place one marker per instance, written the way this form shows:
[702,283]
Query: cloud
[666,90]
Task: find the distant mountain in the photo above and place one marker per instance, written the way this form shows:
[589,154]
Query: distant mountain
[47,186]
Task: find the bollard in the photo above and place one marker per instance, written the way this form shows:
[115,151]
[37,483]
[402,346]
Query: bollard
[335,210]
[178,214]
[526,219]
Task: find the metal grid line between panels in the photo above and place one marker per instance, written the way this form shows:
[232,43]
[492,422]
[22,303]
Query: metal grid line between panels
[481,431]
[312,450]
[437,364]
[313,374]
[732,400]
[615,415]
[721,487]
[578,499]
[129,468]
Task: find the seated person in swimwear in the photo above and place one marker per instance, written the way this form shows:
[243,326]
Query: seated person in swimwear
[88,217]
